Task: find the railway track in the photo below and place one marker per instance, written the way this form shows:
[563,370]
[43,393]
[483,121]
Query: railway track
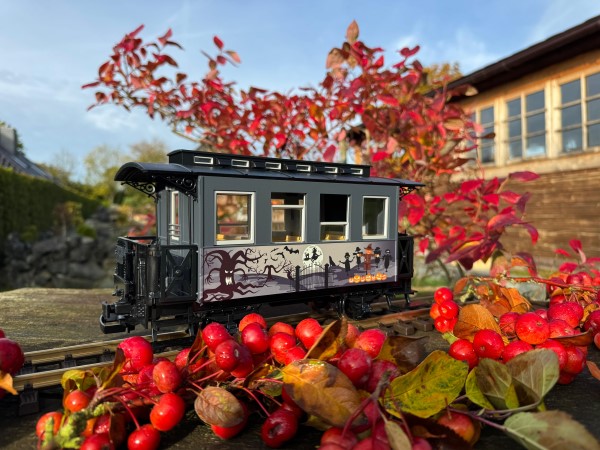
[44,368]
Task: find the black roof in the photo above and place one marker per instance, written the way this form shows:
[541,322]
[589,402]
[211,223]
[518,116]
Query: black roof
[20,164]
[186,165]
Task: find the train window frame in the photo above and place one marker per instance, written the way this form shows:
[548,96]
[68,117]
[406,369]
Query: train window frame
[386,215]
[174,218]
[289,207]
[327,236]
[221,239]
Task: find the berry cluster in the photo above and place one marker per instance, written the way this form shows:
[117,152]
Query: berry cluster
[521,332]
[149,395]
[444,310]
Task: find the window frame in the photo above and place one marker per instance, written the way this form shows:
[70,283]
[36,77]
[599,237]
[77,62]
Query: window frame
[302,209]
[345,224]
[386,215]
[523,116]
[251,219]
[174,217]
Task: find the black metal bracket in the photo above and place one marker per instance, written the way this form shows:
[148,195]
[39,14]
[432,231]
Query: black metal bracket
[186,185]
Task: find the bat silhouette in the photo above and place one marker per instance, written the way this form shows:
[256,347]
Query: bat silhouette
[291,250]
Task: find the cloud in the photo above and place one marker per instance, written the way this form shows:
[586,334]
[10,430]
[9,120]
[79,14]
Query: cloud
[560,15]
[107,118]
[461,46]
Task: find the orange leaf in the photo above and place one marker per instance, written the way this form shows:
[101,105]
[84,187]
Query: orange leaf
[473,318]
[518,303]
[6,382]
[582,339]
[594,370]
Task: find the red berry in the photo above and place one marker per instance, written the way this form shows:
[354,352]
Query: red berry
[227,355]
[280,427]
[308,331]
[444,325]
[442,294]
[166,376]
[11,356]
[213,334]
[252,318]
[557,348]
[280,344]
[229,432]
[575,360]
[335,435]
[40,426]
[256,338]
[371,341]
[76,400]
[515,348]
[168,412]
[488,344]
[246,364]
[294,354]
[463,350]
[532,328]
[281,327]
[99,441]
[507,322]
[449,309]
[356,364]
[378,369]
[144,438]
[138,353]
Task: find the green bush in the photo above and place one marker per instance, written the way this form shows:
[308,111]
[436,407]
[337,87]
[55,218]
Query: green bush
[29,204]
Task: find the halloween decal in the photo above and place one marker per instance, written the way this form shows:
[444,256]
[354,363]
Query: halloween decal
[230,273]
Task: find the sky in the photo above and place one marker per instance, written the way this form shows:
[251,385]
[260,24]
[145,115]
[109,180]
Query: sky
[49,49]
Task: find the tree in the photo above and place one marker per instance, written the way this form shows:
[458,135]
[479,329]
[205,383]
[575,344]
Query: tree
[398,118]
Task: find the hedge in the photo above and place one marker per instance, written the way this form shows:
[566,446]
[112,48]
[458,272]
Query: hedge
[28,203]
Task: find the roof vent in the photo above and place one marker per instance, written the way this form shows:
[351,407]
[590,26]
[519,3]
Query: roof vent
[331,169]
[356,171]
[240,163]
[303,168]
[205,160]
[272,166]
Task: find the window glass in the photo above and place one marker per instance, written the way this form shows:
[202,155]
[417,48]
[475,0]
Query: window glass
[594,135]
[593,109]
[535,101]
[571,115]
[536,145]
[233,217]
[514,128]
[535,123]
[515,149]
[487,115]
[592,83]
[287,217]
[374,216]
[334,217]
[571,140]
[514,107]
[570,92]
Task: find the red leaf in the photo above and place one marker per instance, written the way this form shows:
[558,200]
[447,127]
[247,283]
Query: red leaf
[329,153]
[218,42]
[388,100]
[415,214]
[470,185]
[510,197]
[233,55]
[567,267]
[523,176]
[560,251]
[407,52]
[378,156]
[423,245]
[89,85]
[499,222]
[135,32]
[492,198]
[533,232]
[392,145]
[164,39]
[575,245]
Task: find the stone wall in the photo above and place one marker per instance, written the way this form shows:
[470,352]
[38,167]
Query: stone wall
[69,261]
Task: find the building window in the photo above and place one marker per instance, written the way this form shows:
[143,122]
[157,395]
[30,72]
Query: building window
[287,217]
[486,146]
[375,214]
[234,211]
[592,103]
[174,228]
[334,217]
[570,116]
[526,126]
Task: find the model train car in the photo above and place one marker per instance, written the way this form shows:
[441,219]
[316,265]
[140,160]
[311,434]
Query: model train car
[234,232]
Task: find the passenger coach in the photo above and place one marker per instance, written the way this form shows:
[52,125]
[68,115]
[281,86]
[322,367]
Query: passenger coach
[234,232]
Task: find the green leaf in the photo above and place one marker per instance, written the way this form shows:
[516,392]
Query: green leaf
[496,383]
[321,389]
[534,374]
[397,438]
[427,389]
[474,393]
[549,430]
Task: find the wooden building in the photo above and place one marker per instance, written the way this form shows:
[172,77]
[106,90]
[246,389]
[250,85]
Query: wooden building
[543,104]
